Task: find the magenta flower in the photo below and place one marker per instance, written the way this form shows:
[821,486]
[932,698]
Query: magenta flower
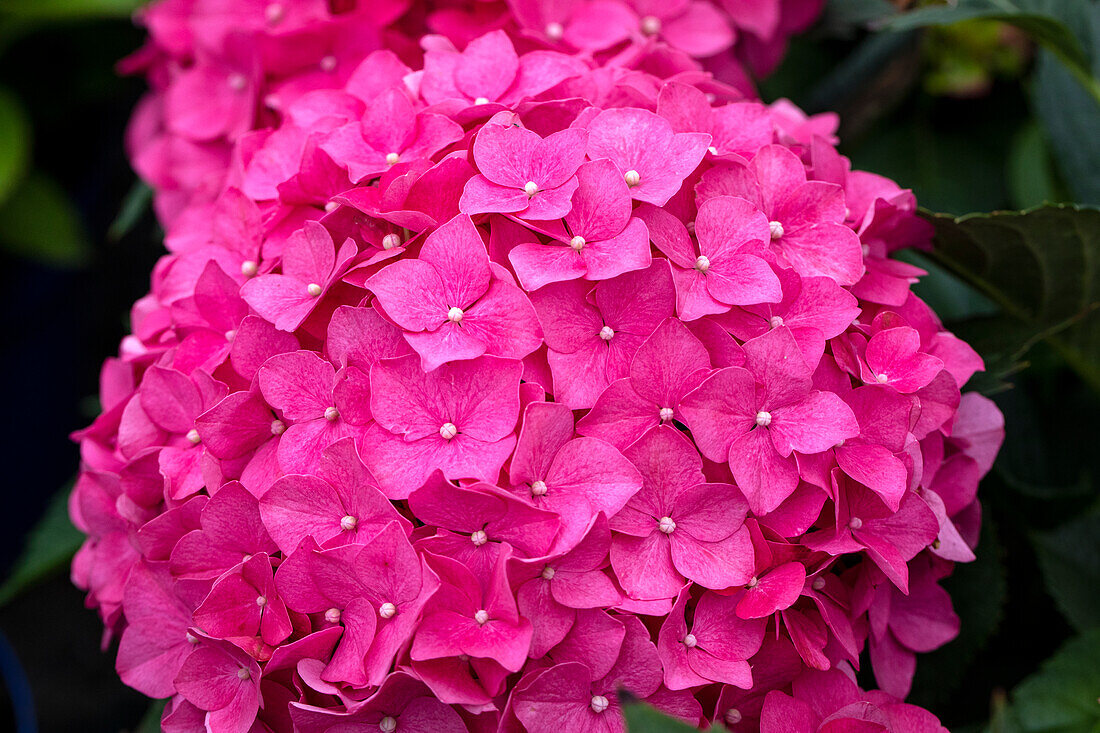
[459,418]
[523,173]
[894,357]
[311,265]
[450,304]
[756,417]
[230,532]
[738,128]
[591,342]
[222,680]
[473,615]
[714,648]
[678,526]
[668,365]
[390,132]
[576,478]
[244,603]
[402,702]
[653,160]
[155,641]
[806,218]
[375,591]
[728,269]
[601,241]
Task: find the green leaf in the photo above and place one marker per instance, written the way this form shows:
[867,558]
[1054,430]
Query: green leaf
[70,9]
[15,143]
[134,206]
[1069,557]
[643,718]
[1071,117]
[1031,179]
[1063,696]
[39,222]
[1042,268]
[50,546]
[150,722]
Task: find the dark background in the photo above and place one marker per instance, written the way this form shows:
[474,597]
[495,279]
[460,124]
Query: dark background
[954,149]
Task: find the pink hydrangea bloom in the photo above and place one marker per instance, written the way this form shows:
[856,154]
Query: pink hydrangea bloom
[502,359]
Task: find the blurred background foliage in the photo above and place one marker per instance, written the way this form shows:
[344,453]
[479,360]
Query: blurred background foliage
[980,106]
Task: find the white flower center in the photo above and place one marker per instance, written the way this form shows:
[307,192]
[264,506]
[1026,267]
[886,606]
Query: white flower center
[702,263]
[243,674]
[387,724]
[278,427]
[481,100]
[454,315]
[530,188]
[479,538]
[855,523]
[392,158]
[577,243]
[249,268]
[712,150]
[328,63]
[606,333]
[775,321]
[387,610]
[753,582]
[775,229]
[733,716]
[548,573]
[666,414]
[763,418]
[633,178]
[818,583]
[866,249]
[261,601]
[598,703]
[482,616]
[274,13]
[237,82]
[231,334]
[554,31]
[331,206]
[448,430]
[332,414]
[690,641]
[651,25]
[313,289]
[348,522]
[666,525]
[333,615]
[390,241]
[538,488]
[193,436]
[882,378]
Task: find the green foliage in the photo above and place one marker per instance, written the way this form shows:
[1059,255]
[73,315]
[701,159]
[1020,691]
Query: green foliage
[150,722]
[69,9]
[1070,559]
[1042,268]
[1064,696]
[38,221]
[49,548]
[643,718]
[15,143]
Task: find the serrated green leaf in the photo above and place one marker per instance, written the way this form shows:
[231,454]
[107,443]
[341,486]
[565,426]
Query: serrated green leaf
[70,9]
[15,143]
[1069,557]
[1064,696]
[1042,268]
[643,718]
[39,222]
[50,546]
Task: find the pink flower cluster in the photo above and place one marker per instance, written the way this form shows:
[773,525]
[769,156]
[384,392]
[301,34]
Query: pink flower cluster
[472,395]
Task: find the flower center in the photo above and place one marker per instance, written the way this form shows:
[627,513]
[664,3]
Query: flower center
[712,150]
[454,315]
[690,641]
[479,538]
[775,321]
[278,427]
[733,716]
[249,268]
[193,436]
[882,378]
[530,188]
[392,158]
[818,583]
[332,615]
[243,674]
[855,523]
[538,488]
[481,100]
[606,333]
[702,264]
[651,25]
[763,418]
[261,601]
[753,582]
[577,243]
[448,430]
[387,610]
[548,573]
[390,241]
[482,617]
[328,63]
[554,31]
[775,229]
[237,82]
[666,414]
[313,289]
[598,703]
[666,525]
[348,522]
[387,724]
[274,13]
[633,178]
